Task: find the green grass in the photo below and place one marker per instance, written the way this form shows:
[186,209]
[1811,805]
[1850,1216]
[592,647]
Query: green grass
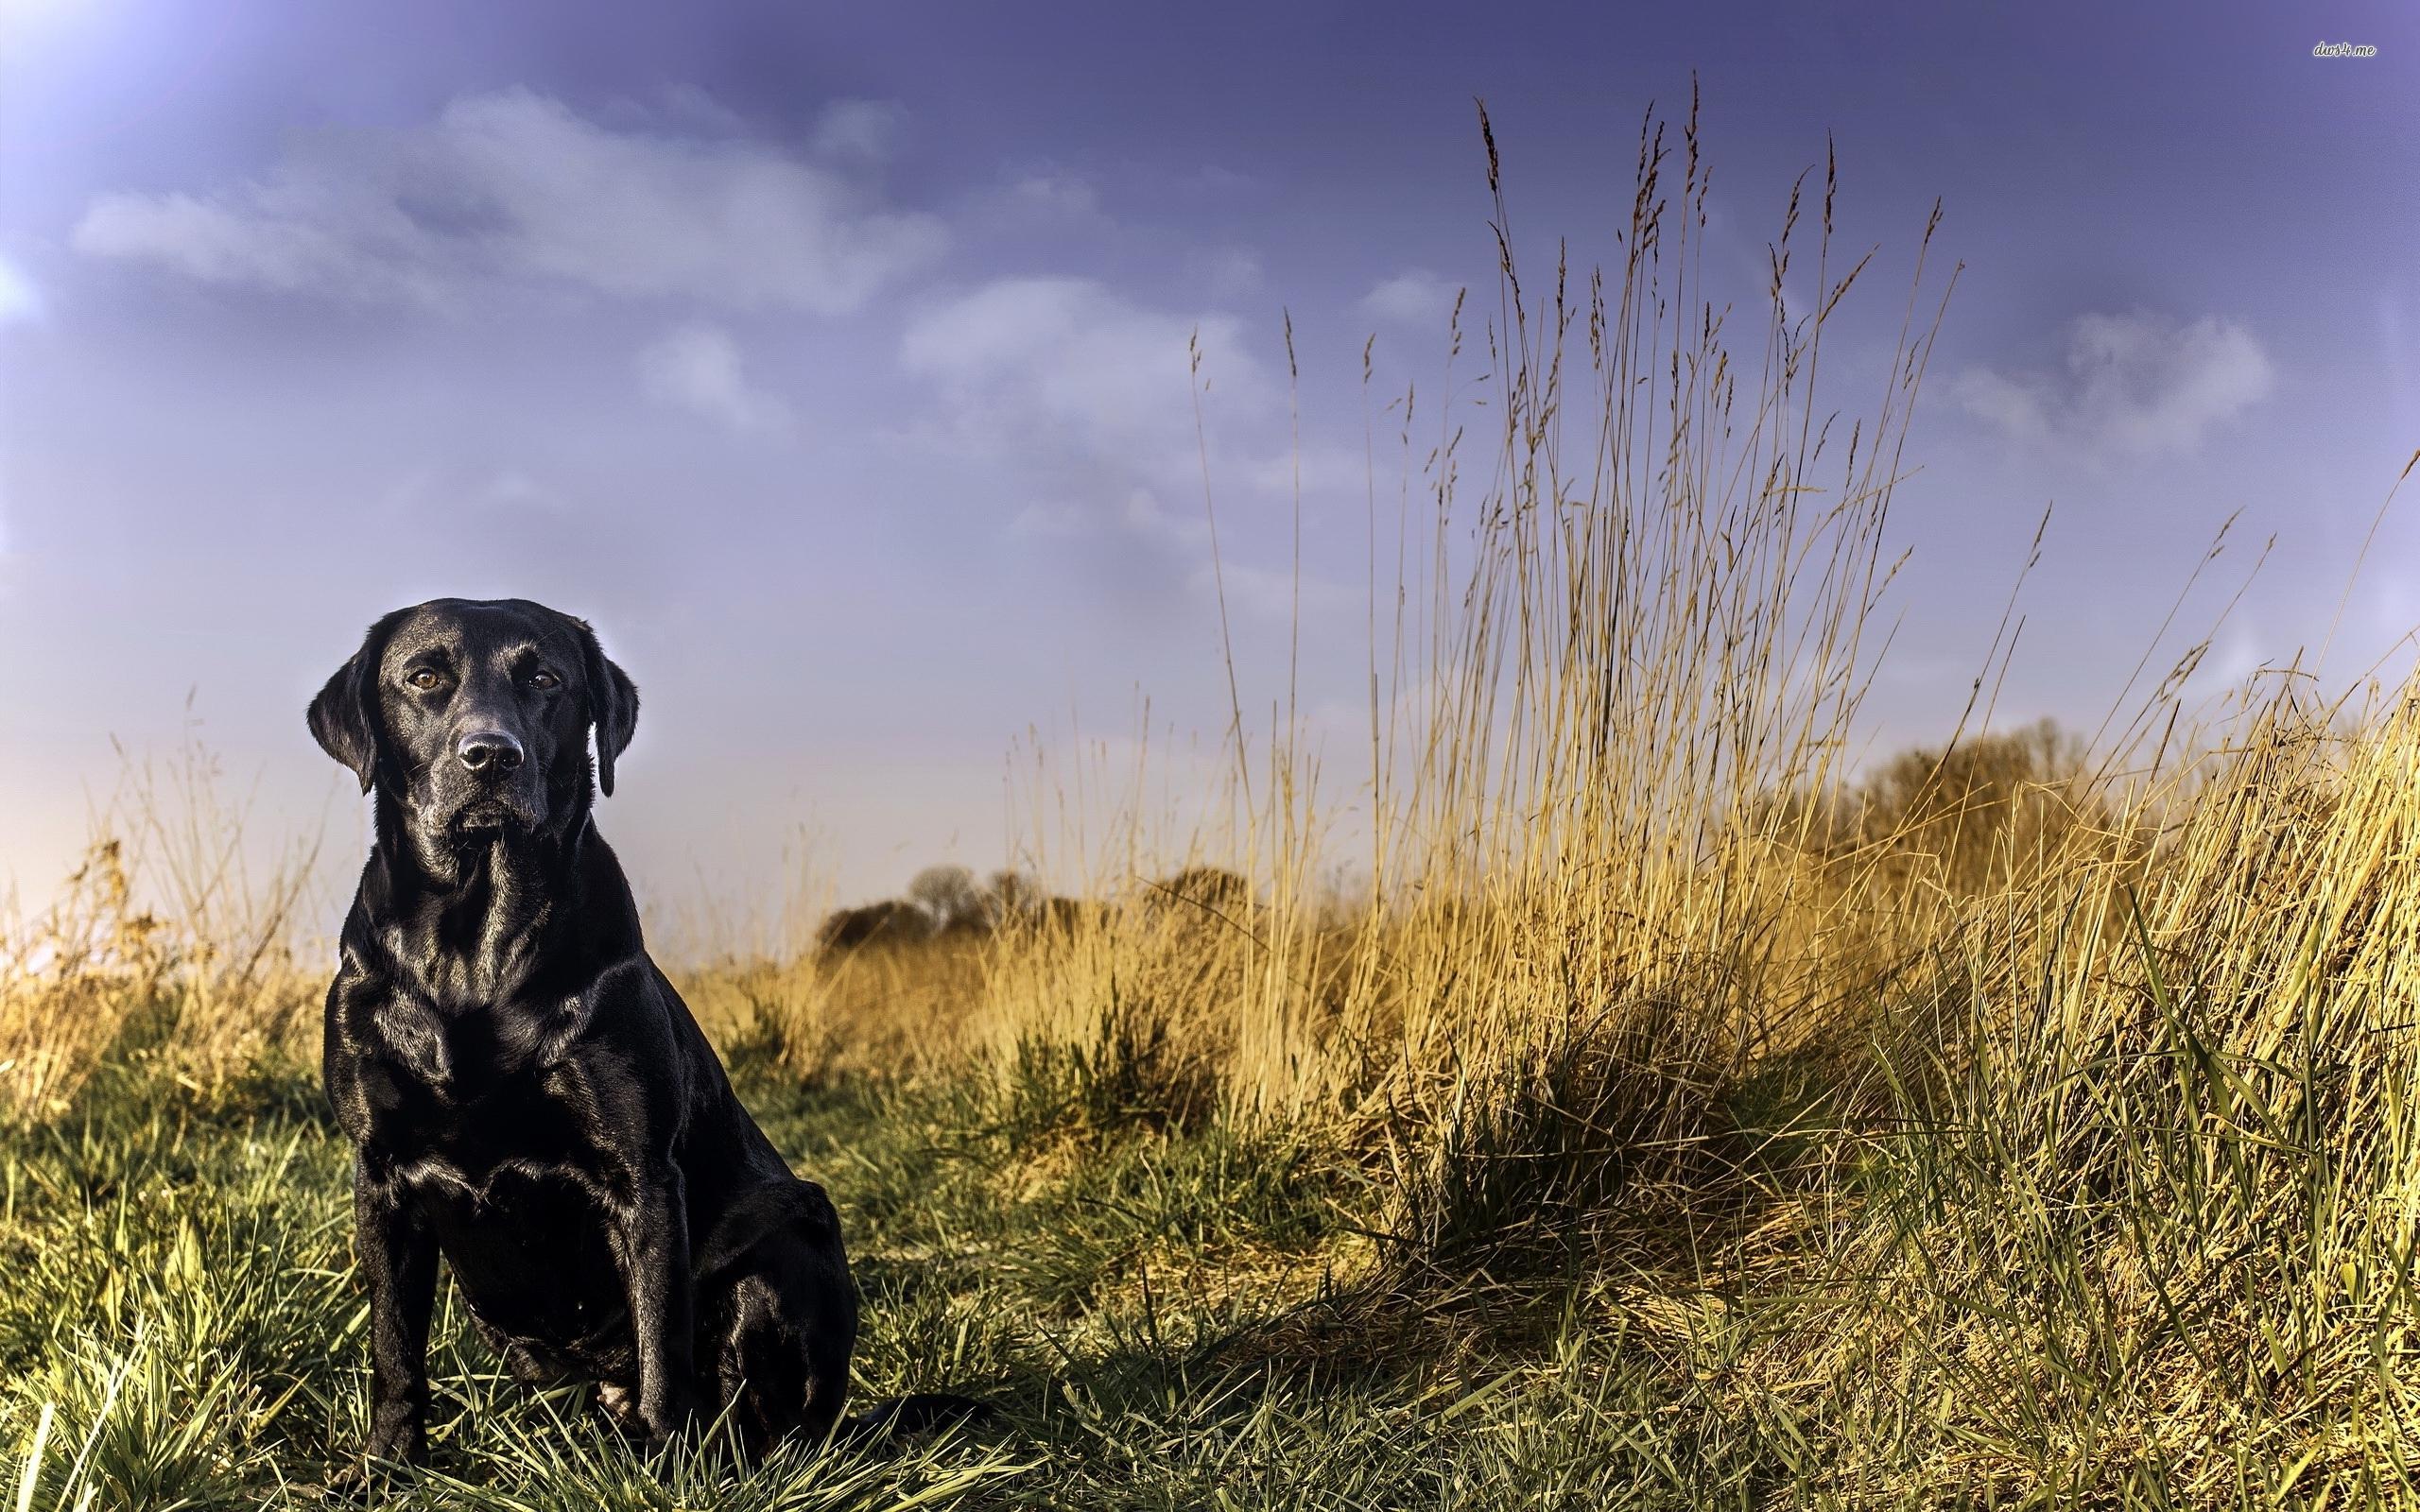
[1153,1323]
[1196,1315]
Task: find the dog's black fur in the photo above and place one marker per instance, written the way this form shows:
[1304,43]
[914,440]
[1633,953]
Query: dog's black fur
[525,1092]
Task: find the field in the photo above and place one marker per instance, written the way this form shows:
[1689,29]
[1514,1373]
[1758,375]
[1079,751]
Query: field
[1667,1113]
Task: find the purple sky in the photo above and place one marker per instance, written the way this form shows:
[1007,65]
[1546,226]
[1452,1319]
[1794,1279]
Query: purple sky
[832,359]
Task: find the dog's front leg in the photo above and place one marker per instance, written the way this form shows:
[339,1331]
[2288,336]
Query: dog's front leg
[655,1270]
[398,1258]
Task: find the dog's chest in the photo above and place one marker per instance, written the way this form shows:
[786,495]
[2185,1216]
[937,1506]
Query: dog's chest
[503,1154]
[497,1153]
[460,1105]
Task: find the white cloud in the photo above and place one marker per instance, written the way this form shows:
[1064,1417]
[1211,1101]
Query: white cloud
[1228,272]
[1145,515]
[1415,298]
[1069,363]
[1050,520]
[1056,193]
[1140,514]
[1081,395]
[867,130]
[2228,666]
[1318,468]
[1271,593]
[2132,386]
[517,185]
[697,366]
[515,489]
[687,105]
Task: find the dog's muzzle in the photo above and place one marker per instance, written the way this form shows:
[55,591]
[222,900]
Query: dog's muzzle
[489,785]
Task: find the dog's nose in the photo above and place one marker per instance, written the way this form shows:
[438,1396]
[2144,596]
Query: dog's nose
[489,750]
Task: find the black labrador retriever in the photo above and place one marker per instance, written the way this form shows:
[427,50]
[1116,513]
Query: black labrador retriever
[526,1094]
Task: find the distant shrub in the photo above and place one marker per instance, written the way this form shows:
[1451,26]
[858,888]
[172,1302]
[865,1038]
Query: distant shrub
[888,922]
[1967,816]
[1212,889]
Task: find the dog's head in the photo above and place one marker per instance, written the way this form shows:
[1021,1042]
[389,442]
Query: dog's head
[472,716]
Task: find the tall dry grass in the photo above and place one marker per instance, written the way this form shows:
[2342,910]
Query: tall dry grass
[166,945]
[2067,1089]
[1612,669]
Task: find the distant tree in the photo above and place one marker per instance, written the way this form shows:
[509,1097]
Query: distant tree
[1012,895]
[891,921]
[1965,814]
[1210,889]
[949,896]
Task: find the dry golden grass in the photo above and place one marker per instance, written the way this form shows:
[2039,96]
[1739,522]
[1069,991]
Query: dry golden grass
[199,977]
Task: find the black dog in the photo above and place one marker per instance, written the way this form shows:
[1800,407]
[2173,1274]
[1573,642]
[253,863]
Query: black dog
[525,1092]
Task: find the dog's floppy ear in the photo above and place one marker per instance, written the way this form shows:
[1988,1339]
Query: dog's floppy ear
[345,718]
[612,706]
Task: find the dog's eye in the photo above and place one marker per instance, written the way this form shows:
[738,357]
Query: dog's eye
[542,679]
[425,678]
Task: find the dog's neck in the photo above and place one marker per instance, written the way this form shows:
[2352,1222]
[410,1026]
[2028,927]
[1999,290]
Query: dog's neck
[474,920]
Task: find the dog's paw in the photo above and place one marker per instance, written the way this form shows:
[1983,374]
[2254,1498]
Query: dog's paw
[397,1438]
[619,1406]
[680,1413]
